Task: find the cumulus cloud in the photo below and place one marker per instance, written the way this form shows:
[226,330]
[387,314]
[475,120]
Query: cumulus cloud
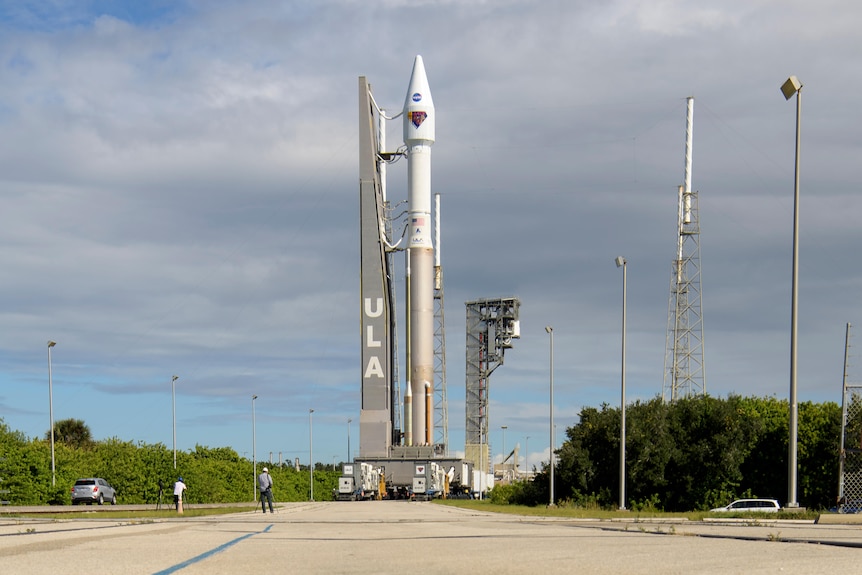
[179,192]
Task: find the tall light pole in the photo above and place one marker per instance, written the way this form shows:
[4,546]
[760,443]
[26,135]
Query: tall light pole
[621,263]
[503,460]
[789,88]
[526,457]
[550,331]
[349,421]
[253,451]
[174,414]
[51,413]
[310,457]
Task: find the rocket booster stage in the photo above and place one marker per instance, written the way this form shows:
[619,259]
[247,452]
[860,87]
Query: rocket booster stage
[419,137]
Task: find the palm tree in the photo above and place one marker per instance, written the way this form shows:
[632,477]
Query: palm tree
[72,432]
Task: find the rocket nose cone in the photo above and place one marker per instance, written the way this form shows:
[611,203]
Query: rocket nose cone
[418,90]
[418,110]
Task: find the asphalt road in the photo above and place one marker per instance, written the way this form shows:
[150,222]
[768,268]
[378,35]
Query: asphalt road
[383,537]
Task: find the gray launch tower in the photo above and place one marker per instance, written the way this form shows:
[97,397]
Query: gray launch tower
[376,417]
[684,371]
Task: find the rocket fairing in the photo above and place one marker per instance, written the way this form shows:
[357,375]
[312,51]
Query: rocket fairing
[419,120]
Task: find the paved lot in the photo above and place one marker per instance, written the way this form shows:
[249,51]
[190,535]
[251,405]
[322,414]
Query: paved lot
[402,537]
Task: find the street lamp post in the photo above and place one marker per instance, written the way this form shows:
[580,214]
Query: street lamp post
[789,88]
[349,421]
[526,457]
[550,331]
[174,415]
[621,263]
[503,461]
[310,457]
[253,451]
[51,413]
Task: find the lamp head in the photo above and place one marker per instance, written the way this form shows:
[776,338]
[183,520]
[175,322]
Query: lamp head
[790,87]
[620,261]
[174,378]
[549,329]
[52,343]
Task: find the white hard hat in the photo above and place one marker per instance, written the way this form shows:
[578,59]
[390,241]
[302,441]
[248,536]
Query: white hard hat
[266,470]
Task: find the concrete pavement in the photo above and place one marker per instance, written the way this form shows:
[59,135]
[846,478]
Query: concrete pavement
[408,537]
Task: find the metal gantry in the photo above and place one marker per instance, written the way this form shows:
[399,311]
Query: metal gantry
[441,403]
[376,418]
[850,462]
[684,371]
[492,324]
[441,410]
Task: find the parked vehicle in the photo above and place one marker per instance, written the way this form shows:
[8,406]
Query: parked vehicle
[360,482]
[748,505]
[93,490]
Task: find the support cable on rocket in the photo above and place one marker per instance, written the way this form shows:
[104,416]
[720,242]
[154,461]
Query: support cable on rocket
[382,111]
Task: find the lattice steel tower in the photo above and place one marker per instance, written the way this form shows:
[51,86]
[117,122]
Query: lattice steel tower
[492,324]
[441,404]
[850,462]
[684,370]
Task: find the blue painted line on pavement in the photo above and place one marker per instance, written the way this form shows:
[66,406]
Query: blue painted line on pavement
[209,553]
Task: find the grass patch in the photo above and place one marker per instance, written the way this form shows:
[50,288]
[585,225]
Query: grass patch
[608,514]
[559,511]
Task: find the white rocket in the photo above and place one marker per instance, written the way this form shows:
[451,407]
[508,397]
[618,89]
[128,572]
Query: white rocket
[419,137]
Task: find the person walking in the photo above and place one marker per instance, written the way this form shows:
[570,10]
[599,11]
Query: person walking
[265,482]
[179,487]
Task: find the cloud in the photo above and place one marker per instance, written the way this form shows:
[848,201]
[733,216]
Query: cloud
[179,197]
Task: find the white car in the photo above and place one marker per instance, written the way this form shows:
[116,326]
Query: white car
[746,505]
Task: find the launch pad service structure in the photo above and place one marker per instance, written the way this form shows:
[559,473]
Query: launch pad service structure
[406,453]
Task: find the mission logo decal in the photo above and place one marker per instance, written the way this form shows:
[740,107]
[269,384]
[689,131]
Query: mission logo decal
[416,118]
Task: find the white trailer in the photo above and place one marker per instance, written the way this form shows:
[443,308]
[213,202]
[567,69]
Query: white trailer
[359,481]
[430,481]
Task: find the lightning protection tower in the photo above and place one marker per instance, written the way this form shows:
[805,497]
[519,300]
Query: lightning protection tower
[684,371]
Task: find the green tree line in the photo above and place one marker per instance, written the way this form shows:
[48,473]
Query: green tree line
[692,454]
[213,475]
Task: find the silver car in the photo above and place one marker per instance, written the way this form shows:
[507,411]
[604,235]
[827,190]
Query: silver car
[93,490]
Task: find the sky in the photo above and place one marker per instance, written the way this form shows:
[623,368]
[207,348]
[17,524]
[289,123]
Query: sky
[179,196]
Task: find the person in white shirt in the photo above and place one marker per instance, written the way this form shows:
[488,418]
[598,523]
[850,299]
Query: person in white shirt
[179,487]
